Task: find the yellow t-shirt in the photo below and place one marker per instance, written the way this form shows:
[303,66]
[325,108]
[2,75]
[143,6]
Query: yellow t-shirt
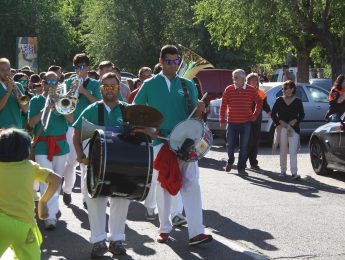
[16,188]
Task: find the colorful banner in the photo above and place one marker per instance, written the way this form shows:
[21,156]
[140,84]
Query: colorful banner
[27,53]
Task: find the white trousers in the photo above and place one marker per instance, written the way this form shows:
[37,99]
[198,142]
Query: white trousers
[288,144]
[58,166]
[191,198]
[97,207]
[151,202]
[71,163]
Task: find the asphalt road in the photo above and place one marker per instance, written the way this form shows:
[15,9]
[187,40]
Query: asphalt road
[261,216]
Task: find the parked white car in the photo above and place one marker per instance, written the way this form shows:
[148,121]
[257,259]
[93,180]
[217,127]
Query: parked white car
[315,103]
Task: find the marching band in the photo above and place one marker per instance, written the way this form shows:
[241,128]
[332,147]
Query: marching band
[122,158]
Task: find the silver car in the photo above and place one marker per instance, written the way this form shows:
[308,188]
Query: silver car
[315,103]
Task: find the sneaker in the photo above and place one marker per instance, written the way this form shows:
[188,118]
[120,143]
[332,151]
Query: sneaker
[67,198]
[295,177]
[150,214]
[228,167]
[50,224]
[99,249]
[179,220]
[116,248]
[242,173]
[199,239]
[282,174]
[163,238]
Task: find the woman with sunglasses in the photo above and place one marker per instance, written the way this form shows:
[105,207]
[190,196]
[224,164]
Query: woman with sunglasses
[287,113]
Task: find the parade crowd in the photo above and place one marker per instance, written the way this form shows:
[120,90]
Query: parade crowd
[41,144]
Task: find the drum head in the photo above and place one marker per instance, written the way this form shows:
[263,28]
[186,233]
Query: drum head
[96,168]
[190,128]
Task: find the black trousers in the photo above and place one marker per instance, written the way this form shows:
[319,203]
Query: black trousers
[254,140]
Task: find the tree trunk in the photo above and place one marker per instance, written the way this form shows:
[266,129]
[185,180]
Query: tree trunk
[302,65]
[337,64]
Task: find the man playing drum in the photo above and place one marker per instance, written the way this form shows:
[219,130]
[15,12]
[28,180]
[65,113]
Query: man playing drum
[112,116]
[166,92]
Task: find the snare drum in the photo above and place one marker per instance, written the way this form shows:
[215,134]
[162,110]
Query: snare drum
[120,165]
[194,132]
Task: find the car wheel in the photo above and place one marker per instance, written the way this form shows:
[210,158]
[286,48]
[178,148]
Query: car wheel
[318,159]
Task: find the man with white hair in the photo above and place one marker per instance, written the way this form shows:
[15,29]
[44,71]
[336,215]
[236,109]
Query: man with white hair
[237,104]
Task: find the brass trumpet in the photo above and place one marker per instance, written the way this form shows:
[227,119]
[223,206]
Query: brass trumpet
[21,97]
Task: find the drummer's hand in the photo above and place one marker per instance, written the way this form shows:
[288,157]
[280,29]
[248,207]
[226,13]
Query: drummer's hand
[81,158]
[151,132]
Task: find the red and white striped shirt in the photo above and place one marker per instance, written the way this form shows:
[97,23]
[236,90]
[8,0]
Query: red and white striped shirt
[237,104]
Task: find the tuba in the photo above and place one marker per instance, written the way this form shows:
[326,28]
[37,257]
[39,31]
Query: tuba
[191,63]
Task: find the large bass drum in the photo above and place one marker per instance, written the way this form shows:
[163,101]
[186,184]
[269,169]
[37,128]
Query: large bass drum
[119,165]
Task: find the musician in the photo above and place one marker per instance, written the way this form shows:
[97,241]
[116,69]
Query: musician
[166,93]
[89,93]
[10,108]
[18,227]
[50,145]
[112,116]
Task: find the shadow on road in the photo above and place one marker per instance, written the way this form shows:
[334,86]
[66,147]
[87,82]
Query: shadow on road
[307,186]
[234,231]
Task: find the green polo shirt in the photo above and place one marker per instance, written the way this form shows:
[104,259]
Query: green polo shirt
[57,126]
[113,118]
[172,104]
[10,115]
[92,87]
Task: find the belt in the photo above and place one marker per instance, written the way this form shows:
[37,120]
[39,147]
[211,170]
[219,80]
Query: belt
[53,147]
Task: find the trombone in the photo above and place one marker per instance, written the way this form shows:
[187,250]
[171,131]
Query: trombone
[67,102]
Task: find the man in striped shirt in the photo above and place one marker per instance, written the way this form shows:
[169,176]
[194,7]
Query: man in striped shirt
[237,104]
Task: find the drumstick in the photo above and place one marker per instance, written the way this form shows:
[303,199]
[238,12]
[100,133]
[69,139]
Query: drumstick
[162,137]
[202,99]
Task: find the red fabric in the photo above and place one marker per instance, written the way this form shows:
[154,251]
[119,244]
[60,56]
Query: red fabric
[169,174]
[53,147]
[132,96]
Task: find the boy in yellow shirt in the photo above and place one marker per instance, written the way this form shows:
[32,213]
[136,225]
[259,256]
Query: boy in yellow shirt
[18,226]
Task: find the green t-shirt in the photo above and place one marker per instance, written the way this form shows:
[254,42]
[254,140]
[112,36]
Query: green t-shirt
[172,104]
[16,193]
[113,118]
[92,87]
[57,126]
[10,115]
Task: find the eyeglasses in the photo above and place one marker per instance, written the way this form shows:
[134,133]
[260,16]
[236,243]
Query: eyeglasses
[172,62]
[52,82]
[286,88]
[23,81]
[112,87]
[80,67]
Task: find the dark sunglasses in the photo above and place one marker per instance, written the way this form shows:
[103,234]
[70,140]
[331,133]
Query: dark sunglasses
[23,81]
[80,67]
[172,62]
[112,87]
[52,82]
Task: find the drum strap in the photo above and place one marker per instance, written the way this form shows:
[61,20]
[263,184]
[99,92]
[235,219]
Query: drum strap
[101,112]
[186,96]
